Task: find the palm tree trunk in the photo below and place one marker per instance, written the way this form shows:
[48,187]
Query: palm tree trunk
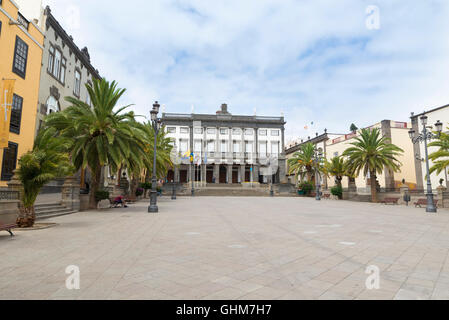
[27,217]
[96,177]
[373,187]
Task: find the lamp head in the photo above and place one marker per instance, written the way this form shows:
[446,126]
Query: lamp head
[439,126]
[424,119]
[156,107]
[411,133]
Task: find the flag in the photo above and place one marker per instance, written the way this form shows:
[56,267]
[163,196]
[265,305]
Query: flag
[6,106]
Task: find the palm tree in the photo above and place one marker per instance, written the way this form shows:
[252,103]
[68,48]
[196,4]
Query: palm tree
[440,158]
[337,168]
[302,163]
[47,161]
[101,135]
[372,153]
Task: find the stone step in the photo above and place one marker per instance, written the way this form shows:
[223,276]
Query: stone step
[50,210]
[47,205]
[55,214]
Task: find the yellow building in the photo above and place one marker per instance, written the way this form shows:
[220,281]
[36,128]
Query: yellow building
[21,48]
[397,132]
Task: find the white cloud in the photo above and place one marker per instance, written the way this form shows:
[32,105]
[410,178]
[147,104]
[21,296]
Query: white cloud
[315,60]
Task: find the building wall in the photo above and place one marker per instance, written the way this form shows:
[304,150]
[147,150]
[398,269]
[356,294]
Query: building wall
[50,86]
[31,9]
[26,88]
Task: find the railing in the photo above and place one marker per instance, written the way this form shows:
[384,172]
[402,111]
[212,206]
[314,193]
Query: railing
[9,195]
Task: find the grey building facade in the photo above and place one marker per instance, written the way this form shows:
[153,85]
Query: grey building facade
[226,148]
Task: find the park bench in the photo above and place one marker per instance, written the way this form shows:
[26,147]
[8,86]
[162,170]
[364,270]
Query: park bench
[8,222]
[422,202]
[390,201]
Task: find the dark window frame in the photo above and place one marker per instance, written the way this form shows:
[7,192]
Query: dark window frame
[7,176]
[16,114]
[17,71]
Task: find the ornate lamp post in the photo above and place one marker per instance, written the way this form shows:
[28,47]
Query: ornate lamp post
[173,194]
[193,173]
[423,137]
[156,122]
[317,160]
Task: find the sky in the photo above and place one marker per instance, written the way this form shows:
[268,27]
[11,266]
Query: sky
[329,62]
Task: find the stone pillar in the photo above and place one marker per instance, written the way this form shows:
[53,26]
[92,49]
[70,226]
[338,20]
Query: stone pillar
[255,174]
[229,173]
[242,173]
[217,173]
[71,193]
[282,169]
[15,185]
[203,175]
[177,176]
[440,196]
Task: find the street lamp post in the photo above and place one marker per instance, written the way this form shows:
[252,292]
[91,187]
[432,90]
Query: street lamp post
[173,194]
[318,157]
[156,122]
[424,136]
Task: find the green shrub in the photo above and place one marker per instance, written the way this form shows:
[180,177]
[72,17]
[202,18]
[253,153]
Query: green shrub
[101,195]
[306,187]
[139,192]
[337,191]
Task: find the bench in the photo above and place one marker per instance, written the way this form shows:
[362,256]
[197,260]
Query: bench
[390,200]
[422,202]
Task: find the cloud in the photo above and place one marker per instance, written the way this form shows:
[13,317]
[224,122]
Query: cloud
[314,60]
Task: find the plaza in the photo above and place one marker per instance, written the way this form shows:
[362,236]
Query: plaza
[217,248]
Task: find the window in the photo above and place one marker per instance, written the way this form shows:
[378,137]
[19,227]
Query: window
[171,129]
[77,89]
[262,132]
[249,132]
[275,133]
[210,130]
[224,146]
[249,147]
[16,114]
[199,130]
[275,148]
[236,146]
[51,59]
[57,67]
[210,146]
[236,131]
[20,58]
[62,75]
[223,131]
[9,161]
[263,149]
[183,146]
[52,105]
[184,130]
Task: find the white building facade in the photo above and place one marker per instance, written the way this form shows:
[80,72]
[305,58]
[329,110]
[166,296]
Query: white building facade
[226,149]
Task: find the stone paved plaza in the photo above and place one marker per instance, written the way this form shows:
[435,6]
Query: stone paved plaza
[233,248]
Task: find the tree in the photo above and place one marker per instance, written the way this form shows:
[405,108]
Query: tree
[337,168]
[101,136]
[353,128]
[302,163]
[440,158]
[47,161]
[372,153]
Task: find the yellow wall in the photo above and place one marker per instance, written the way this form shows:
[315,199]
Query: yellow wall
[27,88]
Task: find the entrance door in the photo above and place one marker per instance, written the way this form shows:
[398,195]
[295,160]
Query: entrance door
[235,176]
[223,174]
[170,176]
[183,176]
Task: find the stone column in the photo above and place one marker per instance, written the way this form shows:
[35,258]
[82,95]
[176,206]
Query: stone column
[203,175]
[229,173]
[282,169]
[71,193]
[256,173]
[242,173]
[389,174]
[217,173]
